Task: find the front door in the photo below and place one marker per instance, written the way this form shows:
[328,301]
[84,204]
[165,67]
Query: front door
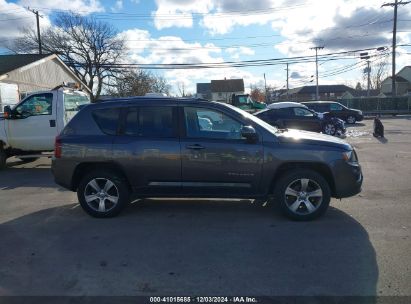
[304,119]
[32,126]
[216,160]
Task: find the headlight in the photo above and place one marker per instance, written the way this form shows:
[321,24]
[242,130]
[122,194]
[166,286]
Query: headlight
[350,156]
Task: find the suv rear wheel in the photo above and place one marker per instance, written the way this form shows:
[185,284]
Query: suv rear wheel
[303,195]
[103,194]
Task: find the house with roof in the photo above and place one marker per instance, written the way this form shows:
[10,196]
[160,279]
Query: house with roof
[402,83]
[34,72]
[306,93]
[222,90]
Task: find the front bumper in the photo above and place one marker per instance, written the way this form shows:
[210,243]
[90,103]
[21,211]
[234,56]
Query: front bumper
[348,179]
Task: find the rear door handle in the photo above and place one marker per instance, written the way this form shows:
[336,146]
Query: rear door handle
[195,147]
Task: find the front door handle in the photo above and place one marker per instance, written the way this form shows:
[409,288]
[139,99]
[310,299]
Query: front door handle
[195,147]
[52,123]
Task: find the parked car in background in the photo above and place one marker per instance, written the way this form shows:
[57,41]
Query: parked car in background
[157,147]
[293,115]
[336,109]
[29,128]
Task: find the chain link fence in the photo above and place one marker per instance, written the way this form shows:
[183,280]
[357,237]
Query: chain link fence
[375,105]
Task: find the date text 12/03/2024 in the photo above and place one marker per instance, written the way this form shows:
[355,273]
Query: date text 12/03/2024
[203,300]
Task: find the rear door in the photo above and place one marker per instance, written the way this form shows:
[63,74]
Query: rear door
[216,160]
[148,149]
[33,124]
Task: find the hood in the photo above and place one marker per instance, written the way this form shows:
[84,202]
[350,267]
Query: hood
[311,138]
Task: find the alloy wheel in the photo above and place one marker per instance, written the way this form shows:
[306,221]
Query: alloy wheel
[303,196]
[329,129]
[351,119]
[101,194]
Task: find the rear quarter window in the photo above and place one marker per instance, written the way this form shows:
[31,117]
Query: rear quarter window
[107,120]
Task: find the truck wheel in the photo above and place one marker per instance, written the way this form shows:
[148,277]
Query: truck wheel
[3,158]
[303,195]
[103,194]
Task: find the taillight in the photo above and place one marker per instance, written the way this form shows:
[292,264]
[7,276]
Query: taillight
[57,147]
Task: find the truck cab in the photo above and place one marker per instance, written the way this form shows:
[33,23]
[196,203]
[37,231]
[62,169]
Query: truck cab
[246,103]
[31,126]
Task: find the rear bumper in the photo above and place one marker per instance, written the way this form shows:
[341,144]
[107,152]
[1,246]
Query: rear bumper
[348,179]
[62,173]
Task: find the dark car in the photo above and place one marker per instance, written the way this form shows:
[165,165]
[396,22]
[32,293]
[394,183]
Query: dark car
[152,147]
[336,109]
[294,115]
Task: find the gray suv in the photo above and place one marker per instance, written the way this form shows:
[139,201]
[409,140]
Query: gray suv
[169,147]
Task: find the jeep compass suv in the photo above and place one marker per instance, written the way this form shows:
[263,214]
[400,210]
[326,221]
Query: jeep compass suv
[168,147]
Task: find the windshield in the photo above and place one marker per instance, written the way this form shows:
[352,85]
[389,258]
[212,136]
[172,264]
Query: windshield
[73,101]
[254,119]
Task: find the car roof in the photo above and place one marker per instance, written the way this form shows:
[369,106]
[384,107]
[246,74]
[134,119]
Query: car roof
[318,102]
[282,105]
[143,100]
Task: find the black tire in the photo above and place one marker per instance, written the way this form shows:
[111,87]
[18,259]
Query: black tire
[286,202]
[29,160]
[119,189]
[3,159]
[351,119]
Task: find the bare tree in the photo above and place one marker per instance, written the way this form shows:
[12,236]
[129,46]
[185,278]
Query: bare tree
[379,71]
[139,83]
[89,46]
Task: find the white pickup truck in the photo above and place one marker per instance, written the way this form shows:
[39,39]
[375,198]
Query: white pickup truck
[29,128]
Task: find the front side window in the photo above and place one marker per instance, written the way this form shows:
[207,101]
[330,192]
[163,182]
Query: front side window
[302,112]
[149,122]
[40,104]
[206,123]
[335,107]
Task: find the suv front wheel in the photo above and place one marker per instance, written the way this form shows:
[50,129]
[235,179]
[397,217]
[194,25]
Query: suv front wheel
[103,194]
[303,195]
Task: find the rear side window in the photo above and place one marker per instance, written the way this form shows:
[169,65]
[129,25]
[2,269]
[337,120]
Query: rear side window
[150,122]
[107,120]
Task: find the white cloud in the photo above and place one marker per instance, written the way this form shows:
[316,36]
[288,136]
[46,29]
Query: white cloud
[178,13]
[15,18]
[236,52]
[83,7]
[118,6]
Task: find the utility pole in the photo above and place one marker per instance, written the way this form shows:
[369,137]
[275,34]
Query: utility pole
[369,78]
[316,48]
[287,80]
[38,26]
[394,40]
[265,87]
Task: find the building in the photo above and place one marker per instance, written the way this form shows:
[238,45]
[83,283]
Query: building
[306,93]
[33,72]
[204,90]
[402,83]
[222,90]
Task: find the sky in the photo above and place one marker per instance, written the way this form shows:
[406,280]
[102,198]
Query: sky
[215,31]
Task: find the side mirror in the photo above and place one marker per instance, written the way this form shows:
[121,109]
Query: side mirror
[249,133]
[7,112]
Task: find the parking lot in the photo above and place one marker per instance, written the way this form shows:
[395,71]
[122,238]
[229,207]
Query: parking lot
[49,246]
